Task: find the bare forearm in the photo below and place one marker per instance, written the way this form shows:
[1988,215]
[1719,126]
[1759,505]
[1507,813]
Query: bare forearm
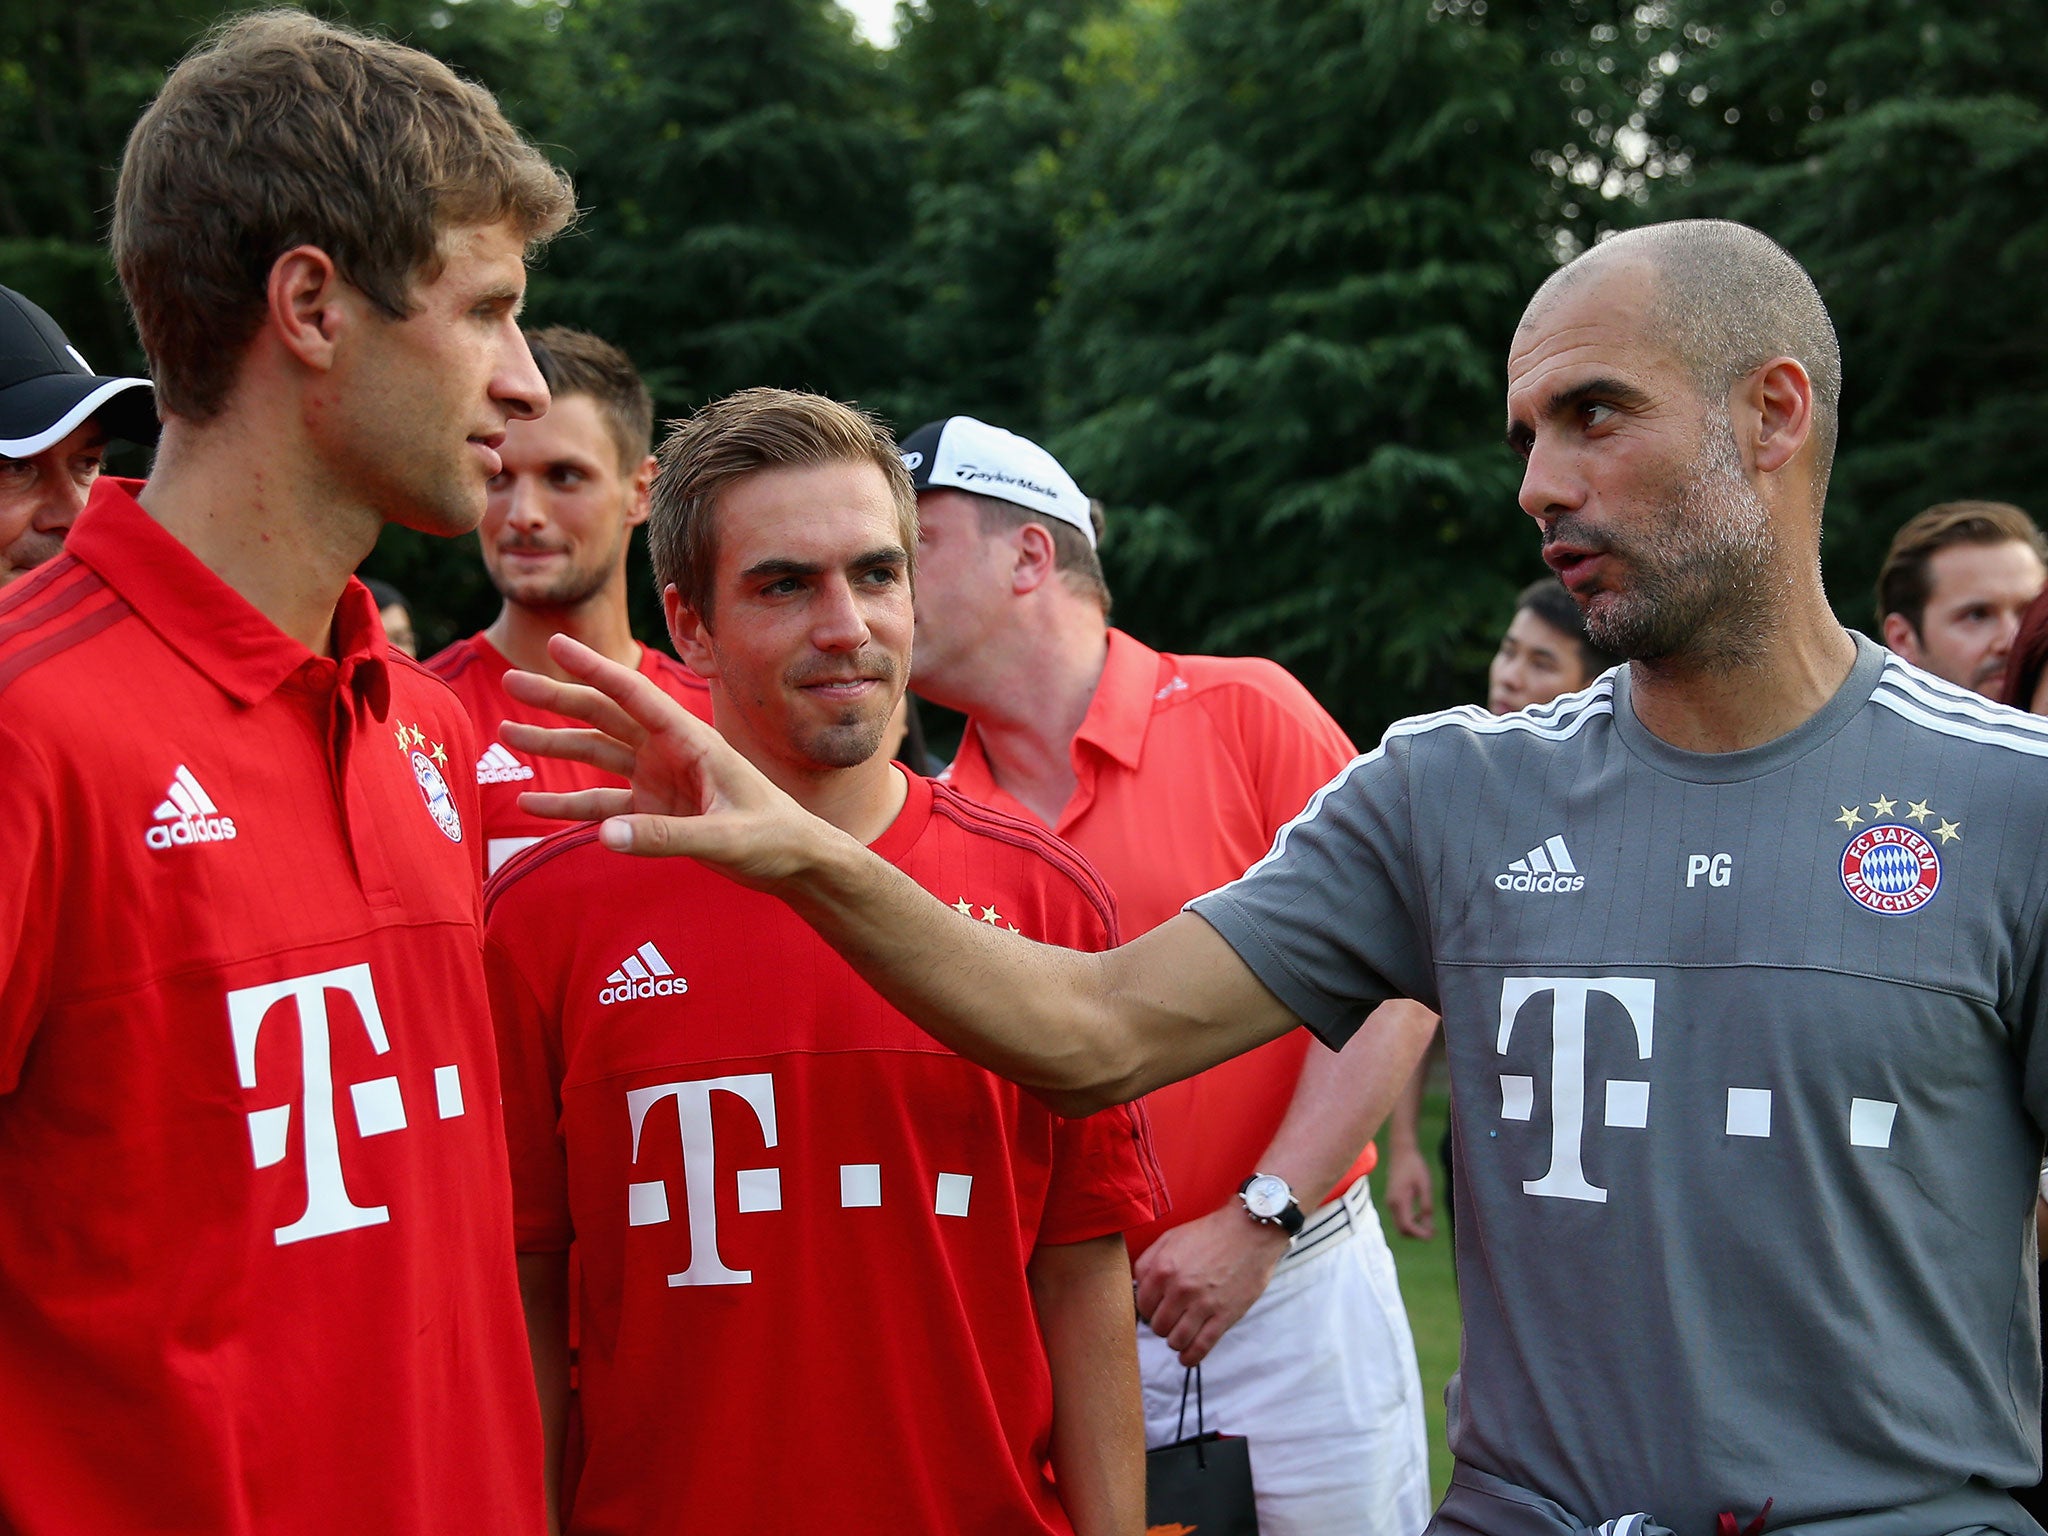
[544,1291]
[1083,1031]
[1083,1294]
[1343,1096]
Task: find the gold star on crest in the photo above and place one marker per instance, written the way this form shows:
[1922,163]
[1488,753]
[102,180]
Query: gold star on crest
[419,737]
[1917,809]
[1884,805]
[964,907]
[991,916]
[1850,817]
[440,756]
[1948,831]
[403,743]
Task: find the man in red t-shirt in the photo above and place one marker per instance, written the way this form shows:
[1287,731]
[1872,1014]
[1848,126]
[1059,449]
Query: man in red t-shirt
[835,1277]
[570,489]
[1172,774]
[255,1249]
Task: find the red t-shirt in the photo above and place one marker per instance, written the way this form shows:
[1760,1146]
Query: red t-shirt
[256,1266]
[803,1223]
[476,670]
[1187,766]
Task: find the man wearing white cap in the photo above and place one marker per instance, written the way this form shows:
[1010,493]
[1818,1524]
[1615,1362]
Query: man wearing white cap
[1172,774]
[56,418]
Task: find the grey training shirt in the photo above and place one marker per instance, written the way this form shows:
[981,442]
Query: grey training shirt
[1747,1072]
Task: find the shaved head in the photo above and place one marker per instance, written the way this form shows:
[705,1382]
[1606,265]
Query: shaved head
[1730,300]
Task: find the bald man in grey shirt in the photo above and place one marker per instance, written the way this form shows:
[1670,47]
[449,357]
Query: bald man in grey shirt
[1739,955]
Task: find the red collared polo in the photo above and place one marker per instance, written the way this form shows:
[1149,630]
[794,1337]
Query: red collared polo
[256,1263]
[1186,768]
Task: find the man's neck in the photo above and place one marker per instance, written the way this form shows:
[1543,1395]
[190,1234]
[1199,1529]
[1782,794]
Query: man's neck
[258,511]
[862,801]
[521,633]
[1706,707]
[1029,704]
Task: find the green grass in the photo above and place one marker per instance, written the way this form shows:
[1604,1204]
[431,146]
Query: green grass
[1428,1290]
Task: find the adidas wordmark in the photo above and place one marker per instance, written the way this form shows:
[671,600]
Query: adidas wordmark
[1547,869]
[644,974]
[187,815]
[499,766]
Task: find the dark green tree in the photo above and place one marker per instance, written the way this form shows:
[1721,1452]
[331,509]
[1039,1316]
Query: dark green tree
[1304,233]
[1899,148]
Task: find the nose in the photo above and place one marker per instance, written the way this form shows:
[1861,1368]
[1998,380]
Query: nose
[523,504]
[1549,490]
[838,624]
[63,498]
[517,384]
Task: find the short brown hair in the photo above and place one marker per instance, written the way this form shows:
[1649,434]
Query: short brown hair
[281,130]
[741,435]
[1906,581]
[577,363]
[1072,554]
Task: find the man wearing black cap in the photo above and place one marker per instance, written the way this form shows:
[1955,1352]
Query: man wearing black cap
[1171,774]
[56,417]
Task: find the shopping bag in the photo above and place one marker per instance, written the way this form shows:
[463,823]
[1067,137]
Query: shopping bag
[1201,1485]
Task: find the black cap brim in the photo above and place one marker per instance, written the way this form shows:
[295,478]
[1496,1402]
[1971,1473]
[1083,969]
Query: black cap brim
[37,413]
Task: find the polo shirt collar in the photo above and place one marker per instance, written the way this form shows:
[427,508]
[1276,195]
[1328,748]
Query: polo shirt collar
[205,620]
[1122,707]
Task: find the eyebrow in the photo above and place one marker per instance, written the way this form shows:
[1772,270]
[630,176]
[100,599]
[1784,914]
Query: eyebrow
[887,554]
[1612,391]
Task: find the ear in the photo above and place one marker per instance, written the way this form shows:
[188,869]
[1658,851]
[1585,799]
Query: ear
[1036,562]
[690,635]
[640,493]
[1777,399]
[307,305]
[1899,637]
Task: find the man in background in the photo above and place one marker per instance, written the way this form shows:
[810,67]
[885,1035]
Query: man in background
[1171,774]
[256,1246]
[1544,653]
[570,490]
[56,419]
[1953,586]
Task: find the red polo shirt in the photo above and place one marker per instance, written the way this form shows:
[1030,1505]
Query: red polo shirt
[256,1263]
[476,670]
[1186,768]
[805,1224]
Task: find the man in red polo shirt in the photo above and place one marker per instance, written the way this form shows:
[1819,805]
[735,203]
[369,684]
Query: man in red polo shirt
[255,1252]
[1172,774]
[835,1277]
[570,489]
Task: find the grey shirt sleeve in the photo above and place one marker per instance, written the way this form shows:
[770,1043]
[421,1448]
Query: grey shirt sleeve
[1333,920]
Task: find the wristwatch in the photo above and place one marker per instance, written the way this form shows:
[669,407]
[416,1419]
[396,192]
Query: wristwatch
[1268,1200]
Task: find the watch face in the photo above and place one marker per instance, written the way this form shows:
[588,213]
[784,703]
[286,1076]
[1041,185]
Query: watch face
[1267,1195]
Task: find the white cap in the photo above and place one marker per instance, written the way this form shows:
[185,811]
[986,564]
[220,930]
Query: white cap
[960,453]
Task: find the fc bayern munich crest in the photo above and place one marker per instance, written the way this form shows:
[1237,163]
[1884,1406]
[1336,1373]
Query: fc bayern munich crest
[426,772]
[1891,869]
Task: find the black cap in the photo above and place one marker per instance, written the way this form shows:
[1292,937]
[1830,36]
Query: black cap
[46,388]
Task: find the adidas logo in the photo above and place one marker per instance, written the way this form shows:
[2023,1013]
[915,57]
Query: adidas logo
[645,974]
[188,815]
[499,766]
[1547,868]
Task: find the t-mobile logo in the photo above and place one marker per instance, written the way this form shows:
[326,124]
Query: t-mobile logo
[1627,1099]
[379,1102]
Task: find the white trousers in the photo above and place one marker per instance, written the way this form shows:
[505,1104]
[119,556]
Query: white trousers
[1320,1378]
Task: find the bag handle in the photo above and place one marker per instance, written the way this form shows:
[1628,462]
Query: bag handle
[1194,1375]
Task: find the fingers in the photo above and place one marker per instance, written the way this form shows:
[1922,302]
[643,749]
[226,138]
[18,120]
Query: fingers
[583,805]
[577,702]
[597,748]
[635,694]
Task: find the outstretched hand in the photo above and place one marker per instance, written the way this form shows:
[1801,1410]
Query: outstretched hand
[689,792]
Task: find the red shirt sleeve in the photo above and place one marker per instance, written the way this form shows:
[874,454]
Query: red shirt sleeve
[29,889]
[1294,745]
[530,1076]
